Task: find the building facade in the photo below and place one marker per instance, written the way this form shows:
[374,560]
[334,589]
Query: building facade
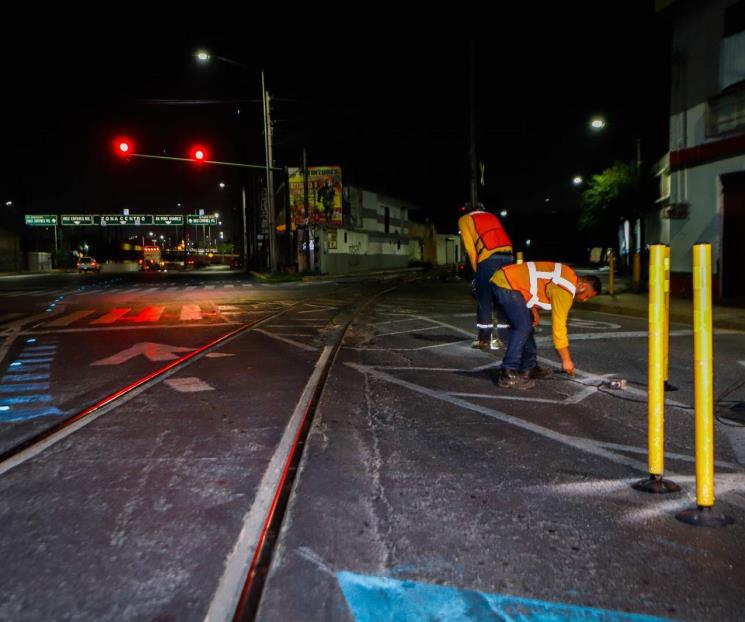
[702,177]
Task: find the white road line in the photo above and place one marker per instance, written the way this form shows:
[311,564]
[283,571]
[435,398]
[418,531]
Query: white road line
[291,342]
[583,444]
[406,332]
[68,319]
[515,398]
[190,312]
[238,563]
[191,384]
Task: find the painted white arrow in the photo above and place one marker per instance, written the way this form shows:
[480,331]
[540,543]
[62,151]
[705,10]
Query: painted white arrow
[153,351]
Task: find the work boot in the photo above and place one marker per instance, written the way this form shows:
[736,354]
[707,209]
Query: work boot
[489,345]
[510,379]
[539,373]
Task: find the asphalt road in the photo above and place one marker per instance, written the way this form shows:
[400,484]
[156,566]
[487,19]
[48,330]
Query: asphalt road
[422,484]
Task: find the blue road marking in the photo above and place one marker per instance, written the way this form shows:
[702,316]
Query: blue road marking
[30,386]
[25,399]
[22,414]
[29,367]
[22,358]
[31,340]
[23,377]
[379,599]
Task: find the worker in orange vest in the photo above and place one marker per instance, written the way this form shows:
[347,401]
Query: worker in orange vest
[488,248]
[520,290]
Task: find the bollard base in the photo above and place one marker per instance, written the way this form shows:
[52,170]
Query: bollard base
[656,485]
[670,387]
[704,517]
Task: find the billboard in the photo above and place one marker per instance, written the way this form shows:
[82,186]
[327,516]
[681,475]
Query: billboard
[324,195]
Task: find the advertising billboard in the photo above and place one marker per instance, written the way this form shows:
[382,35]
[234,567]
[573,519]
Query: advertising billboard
[324,195]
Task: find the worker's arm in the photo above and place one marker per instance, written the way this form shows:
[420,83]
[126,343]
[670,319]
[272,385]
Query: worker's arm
[561,302]
[468,235]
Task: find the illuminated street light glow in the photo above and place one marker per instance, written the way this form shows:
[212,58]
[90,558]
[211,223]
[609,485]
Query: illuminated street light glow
[202,55]
[577,180]
[597,123]
[222,184]
[503,213]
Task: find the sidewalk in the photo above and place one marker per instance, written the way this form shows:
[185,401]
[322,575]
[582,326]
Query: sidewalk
[626,302]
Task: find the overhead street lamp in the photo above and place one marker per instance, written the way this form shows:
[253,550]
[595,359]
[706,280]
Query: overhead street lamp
[204,56]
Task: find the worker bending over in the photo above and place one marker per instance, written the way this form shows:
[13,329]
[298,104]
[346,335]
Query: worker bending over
[520,290]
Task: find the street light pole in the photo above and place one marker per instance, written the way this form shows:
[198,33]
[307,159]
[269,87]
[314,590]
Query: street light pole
[269,178]
[203,56]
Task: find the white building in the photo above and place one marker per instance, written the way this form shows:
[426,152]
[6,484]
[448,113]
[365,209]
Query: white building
[702,177]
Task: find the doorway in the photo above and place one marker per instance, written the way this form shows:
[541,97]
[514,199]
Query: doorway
[733,234]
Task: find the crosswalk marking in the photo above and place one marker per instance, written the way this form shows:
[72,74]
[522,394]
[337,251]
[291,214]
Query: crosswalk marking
[190,312]
[111,316]
[68,319]
[149,314]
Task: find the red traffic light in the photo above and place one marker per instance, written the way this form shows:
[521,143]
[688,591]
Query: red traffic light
[123,146]
[198,153]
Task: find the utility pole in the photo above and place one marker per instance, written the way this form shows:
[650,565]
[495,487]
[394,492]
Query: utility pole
[245,230]
[306,234]
[269,179]
[472,106]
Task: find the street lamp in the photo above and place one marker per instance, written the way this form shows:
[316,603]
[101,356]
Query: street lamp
[204,56]
[577,180]
[597,123]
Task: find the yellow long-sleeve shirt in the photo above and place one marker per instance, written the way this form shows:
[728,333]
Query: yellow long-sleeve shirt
[561,301]
[474,248]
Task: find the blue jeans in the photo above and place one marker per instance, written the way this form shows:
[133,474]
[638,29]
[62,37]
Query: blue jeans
[484,295]
[521,350]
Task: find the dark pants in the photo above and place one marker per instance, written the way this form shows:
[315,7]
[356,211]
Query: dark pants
[521,350]
[484,295]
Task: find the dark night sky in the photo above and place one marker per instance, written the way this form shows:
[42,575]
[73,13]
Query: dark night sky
[389,106]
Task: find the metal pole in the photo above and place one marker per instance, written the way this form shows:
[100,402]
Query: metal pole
[472,105]
[612,273]
[245,230]
[288,220]
[306,232]
[269,178]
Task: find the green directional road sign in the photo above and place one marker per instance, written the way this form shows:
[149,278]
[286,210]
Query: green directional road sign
[80,219]
[168,219]
[129,219]
[193,219]
[41,220]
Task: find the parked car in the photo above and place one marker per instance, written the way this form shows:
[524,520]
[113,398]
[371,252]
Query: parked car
[236,264]
[88,264]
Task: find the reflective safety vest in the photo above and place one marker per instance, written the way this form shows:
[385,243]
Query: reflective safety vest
[490,231]
[531,278]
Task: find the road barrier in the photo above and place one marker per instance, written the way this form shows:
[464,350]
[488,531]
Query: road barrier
[703,375]
[658,285]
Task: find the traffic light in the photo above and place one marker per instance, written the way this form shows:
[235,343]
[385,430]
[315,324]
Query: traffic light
[198,154]
[123,146]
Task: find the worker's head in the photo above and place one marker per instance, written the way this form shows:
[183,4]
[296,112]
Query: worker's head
[588,286]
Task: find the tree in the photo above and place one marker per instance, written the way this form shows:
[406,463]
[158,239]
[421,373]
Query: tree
[610,196]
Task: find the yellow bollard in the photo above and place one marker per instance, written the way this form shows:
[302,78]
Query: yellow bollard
[636,272]
[666,340]
[703,377]
[612,274]
[519,257]
[656,382]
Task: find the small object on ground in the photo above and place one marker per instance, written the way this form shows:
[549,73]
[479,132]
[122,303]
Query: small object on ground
[619,383]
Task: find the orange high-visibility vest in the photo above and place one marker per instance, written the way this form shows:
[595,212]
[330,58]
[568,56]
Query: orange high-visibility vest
[530,279]
[490,232]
